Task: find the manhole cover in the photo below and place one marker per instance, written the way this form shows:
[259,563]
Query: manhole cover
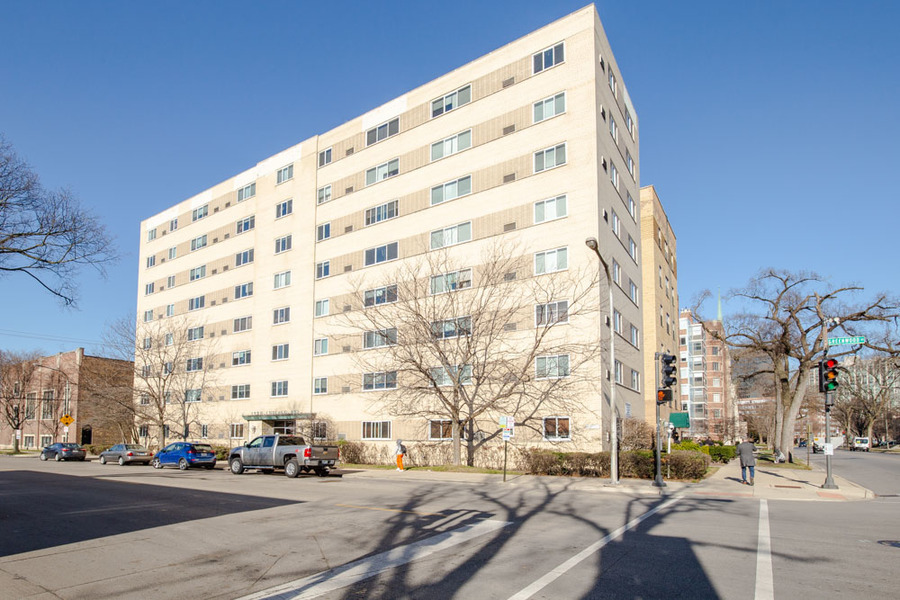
[892,543]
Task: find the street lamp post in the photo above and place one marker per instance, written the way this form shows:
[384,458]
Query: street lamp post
[594,245]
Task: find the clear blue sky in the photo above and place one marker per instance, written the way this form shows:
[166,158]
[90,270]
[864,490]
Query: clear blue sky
[758,119]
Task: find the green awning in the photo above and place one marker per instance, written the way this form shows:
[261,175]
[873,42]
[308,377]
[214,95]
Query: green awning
[680,419]
[278,416]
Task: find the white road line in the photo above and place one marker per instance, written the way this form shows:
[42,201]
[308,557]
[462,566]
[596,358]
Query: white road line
[765,585]
[335,579]
[561,570]
[118,508]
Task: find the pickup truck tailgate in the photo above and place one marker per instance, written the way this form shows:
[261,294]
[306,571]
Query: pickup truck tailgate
[324,452]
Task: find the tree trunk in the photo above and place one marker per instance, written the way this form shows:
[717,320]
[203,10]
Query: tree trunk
[456,434]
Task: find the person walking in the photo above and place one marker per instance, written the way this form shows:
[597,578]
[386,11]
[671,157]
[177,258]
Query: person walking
[400,452]
[747,452]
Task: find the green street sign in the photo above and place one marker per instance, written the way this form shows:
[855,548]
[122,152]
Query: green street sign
[680,419]
[842,341]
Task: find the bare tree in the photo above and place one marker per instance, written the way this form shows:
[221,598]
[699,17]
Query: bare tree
[46,234]
[174,365]
[462,345]
[17,372]
[785,319]
[867,385]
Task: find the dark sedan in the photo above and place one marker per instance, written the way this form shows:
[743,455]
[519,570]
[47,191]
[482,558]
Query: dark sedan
[61,451]
[125,454]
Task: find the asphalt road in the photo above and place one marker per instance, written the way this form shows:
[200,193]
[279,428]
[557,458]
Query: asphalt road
[879,472]
[82,530]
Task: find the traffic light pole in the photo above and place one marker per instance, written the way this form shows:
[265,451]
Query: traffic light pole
[658,482]
[829,481]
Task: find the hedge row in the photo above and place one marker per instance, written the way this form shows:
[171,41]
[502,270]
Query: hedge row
[640,464]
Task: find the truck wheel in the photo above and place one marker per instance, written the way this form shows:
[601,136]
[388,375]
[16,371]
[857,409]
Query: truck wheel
[236,466]
[322,472]
[292,468]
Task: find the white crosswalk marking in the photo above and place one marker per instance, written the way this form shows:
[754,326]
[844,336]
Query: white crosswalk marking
[765,586]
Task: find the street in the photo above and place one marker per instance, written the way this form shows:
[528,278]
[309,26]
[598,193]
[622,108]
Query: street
[82,530]
[880,472]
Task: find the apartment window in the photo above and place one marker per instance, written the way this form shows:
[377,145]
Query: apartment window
[194,364]
[619,369]
[613,129]
[385,211]
[170,281]
[451,145]
[552,367]
[383,171]
[151,235]
[170,339]
[557,429]
[241,357]
[450,236]
[284,208]
[381,254]
[547,210]
[325,157]
[320,347]
[614,175]
[448,282]
[324,194]
[200,212]
[551,313]
[379,338]
[147,343]
[629,123]
[617,321]
[148,316]
[151,261]
[144,431]
[240,392]
[193,395]
[246,192]
[242,324]
[550,261]
[281,315]
[285,174]
[635,337]
[548,58]
[549,107]
[383,131]
[382,295]
[46,440]
[451,328]
[612,83]
[168,367]
[279,388]
[549,158]
[243,290]
[322,307]
[243,258]
[197,303]
[616,225]
[633,292]
[204,431]
[440,429]
[30,406]
[629,162]
[170,308]
[47,406]
[281,351]
[246,224]
[198,242]
[198,273]
[28,441]
[194,333]
[323,232]
[386,380]
[320,385]
[716,382]
[635,380]
[284,279]
[236,431]
[461,375]
[149,289]
[451,190]
[714,367]
[283,244]
[376,430]
[632,248]
[451,101]
[632,209]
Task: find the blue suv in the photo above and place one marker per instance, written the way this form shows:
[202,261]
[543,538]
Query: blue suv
[185,455]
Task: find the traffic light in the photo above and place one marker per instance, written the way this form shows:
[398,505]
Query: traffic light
[828,375]
[668,370]
[663,396]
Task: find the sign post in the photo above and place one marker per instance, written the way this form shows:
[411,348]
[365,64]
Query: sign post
[508,424]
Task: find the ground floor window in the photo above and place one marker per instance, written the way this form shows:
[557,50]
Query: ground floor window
[439,429]
[46,440]
[320,430]
[28,441]
[556,428]
[237,430]
[376,430]
[283,427]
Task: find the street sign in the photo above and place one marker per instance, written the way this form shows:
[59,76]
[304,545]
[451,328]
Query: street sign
[828,449]
[843,341]
[18,434]
[66,420]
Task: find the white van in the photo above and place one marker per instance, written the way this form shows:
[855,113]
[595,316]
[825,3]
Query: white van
[860,443]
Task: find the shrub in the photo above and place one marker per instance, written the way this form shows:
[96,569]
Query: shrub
[222,452]
[637,463]
[686,445]
[96,449]
[687,464]
[722,454]
[536,461]
[351,452]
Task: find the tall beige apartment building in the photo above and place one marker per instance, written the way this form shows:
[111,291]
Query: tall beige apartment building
[518,156]
[659,269]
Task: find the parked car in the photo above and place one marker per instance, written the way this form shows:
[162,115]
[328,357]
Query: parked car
[185,455]
[860,443]
[63,451]
[125,454]
[288,452]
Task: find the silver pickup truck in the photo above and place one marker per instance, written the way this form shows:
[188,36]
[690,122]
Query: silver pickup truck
[288,452]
